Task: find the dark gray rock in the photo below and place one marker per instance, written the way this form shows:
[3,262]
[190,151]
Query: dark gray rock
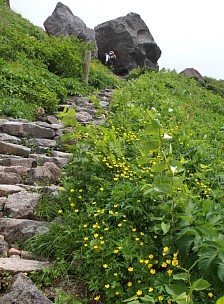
[191,72]
[21,205]
[20,230]
[63,22]
[23,291]
[130,39]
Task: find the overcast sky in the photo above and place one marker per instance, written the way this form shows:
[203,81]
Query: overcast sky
[190,33]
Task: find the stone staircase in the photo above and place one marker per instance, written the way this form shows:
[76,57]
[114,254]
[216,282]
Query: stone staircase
[30,164]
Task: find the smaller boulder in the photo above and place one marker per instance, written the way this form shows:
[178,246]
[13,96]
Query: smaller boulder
[191,72]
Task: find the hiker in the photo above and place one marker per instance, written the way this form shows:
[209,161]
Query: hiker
[110,58]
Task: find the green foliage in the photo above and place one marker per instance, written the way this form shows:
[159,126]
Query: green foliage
[38,70]
[141,203]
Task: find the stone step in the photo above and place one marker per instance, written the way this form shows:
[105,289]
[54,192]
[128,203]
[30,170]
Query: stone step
[5,190]
[19,230]
[9,148]
[16,264]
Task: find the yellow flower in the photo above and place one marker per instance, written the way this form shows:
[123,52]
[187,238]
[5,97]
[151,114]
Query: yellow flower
[137,239]
[129,284]
[60,211]
[101,189]
[116,178]
[86,238]
[150,289]
[141,243]
[139,281]
[116,205]
[115,274]
[130,269]
[142,233]
[146,261]
[76,210]
[97,298]
[72,190]
[160,298]
[168,261]
[119,225]
[116,250]
[150,266]
[107,286]
[117,293]
[164,264]
[72,204]
[111,212]
[133,229]
[85,225]
[141,261]
[85,245]
[175,262]
[139,292]
[151,256]
[105,266]
[80,190]
[170,271]
[210,294]
[165,249]
[62,188]
[106,228]
[152,271]
[96,235]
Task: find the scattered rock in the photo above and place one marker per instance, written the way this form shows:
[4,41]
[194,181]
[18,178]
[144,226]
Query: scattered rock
[13,251]
[24,291]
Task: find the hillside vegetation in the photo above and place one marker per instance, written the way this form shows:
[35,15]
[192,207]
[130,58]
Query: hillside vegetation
[140,215]
[37,70]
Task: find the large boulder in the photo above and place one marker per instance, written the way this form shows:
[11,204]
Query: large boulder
[131,40]
[63,22]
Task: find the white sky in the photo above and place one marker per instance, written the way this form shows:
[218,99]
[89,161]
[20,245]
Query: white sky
[190,33]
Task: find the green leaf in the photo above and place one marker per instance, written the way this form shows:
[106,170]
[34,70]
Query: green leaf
[131,299]
[176,289]
[220,301]
[200,284]
[147,299]
[165,227]
[181,276]
[159,167]
[206,258]
[163,188]
[183,298]
[221,271]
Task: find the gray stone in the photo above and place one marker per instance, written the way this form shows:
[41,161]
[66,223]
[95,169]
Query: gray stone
[132,42]
[49,143]
[42,159]
[29,130]
[20,230]
[19,170]
[8,148]
[191,72]
[9,178]
[9,189]
[9,138]
[83,116]
[23,291]
[13,251]
[4,247]
[21,205]
[15,265]
[42,174]
[63,22]
[61,154]
[17,161]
